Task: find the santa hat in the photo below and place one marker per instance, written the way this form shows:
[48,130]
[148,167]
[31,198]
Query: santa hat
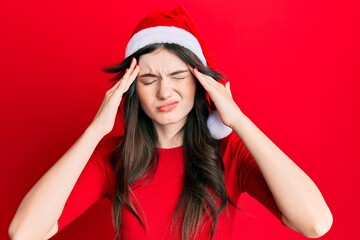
[176,27]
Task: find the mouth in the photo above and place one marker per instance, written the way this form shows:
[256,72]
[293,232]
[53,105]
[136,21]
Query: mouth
[167,107]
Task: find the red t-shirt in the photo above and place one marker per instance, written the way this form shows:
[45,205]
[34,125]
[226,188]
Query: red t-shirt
[159,197]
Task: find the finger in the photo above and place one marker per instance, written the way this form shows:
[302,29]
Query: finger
[129,70]
[127,73]
[126,82]
[132,77]
[199,76]
[114,87]
[123,84]
[133,65]
[209,79]
[206,81]
[117,84]
[228,90]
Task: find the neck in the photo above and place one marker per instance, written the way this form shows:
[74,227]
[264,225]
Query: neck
[169,136]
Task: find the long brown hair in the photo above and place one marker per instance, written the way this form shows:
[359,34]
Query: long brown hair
[203,195]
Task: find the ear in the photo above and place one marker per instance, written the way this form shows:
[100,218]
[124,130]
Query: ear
[217,128]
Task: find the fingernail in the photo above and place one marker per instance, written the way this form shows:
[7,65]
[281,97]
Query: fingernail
[196,69]
[126,70]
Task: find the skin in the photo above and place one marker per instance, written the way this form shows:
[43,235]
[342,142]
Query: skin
[296,195]
[36,220]
[298,198]
[166,90]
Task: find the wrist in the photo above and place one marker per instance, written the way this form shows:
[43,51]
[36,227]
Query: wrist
[94,132]
[241,122]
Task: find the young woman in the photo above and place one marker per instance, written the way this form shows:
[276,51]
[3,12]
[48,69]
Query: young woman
[171,176]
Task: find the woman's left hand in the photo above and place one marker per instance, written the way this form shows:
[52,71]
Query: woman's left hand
[301,203]
[221,96]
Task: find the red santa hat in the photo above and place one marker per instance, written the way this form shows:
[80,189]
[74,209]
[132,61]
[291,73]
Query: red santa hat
[176,27]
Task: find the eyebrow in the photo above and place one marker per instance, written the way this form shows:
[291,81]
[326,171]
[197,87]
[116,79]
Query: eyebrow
[148,75]
[178,72]
[171,74]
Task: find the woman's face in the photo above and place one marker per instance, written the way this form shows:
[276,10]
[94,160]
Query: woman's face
[166,88]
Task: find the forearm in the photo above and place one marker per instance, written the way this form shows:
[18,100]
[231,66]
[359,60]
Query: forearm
[37,215]
[42,206]
[296,195]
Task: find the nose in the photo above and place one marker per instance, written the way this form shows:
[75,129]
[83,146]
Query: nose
[164,89]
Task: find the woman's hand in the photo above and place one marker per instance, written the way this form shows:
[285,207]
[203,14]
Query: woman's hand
[105,117]
[34,221]
[298,198]
[221,96]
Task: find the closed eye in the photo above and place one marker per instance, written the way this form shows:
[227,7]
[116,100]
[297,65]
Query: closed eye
[181,74]
[147,78]
[147,82]
[179,78]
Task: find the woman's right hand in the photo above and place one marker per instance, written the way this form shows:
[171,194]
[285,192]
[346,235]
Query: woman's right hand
[34,221]
[104,120]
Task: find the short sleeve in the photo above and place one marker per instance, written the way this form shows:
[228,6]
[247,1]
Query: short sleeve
[245,175]
[95,182]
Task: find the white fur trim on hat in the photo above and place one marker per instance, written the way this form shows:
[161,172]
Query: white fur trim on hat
[164,34]
[218,129]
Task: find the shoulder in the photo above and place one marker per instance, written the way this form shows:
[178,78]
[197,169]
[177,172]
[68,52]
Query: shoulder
[103,152]
[100,165]
[231,143]
[233,150]
[107,145]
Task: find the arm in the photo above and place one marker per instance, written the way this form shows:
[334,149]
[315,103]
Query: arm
[37,215]
[300,201]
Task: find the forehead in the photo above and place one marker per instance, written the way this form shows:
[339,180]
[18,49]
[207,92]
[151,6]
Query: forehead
[160,59]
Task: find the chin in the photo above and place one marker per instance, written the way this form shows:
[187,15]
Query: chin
[169,121]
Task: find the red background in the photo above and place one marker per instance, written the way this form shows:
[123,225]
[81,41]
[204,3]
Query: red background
[293,65]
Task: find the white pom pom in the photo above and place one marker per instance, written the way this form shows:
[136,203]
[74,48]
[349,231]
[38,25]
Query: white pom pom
[217,128]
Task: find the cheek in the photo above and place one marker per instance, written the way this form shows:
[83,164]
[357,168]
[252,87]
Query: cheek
[190,90]
[145,95]
[188,96]
[140,93]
